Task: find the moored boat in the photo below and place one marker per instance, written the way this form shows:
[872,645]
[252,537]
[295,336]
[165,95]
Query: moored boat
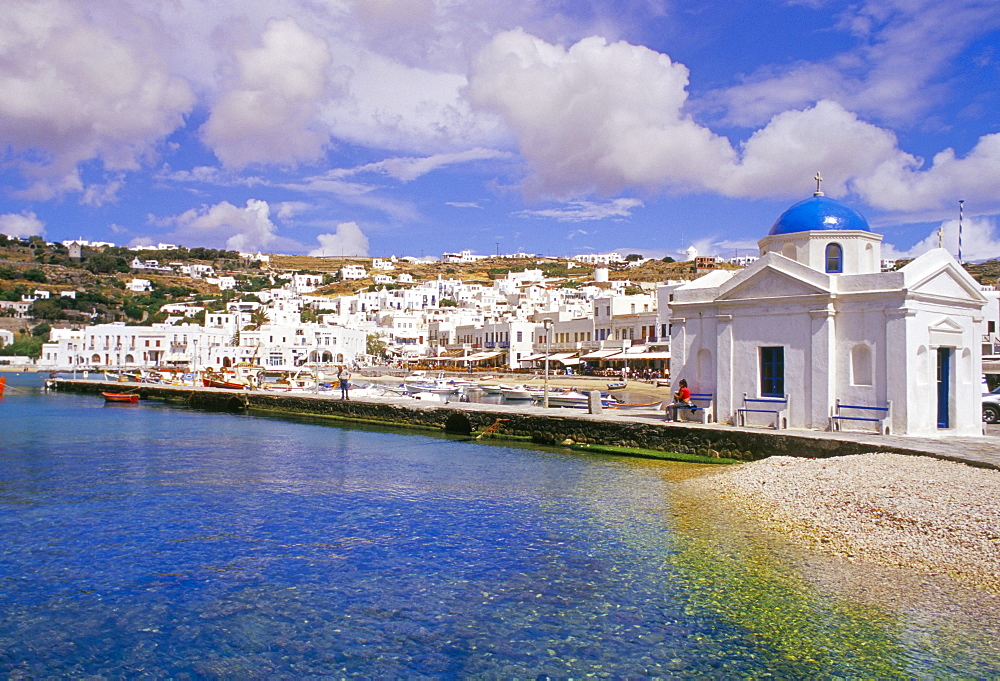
[120,397]
[519,392]
[635,405]
[214,381]
[438,387]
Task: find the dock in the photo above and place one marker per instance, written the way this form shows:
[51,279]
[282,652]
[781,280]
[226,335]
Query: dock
[554,426]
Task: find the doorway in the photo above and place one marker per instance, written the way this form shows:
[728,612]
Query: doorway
[944,387]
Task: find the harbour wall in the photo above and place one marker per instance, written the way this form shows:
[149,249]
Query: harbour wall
[551,427]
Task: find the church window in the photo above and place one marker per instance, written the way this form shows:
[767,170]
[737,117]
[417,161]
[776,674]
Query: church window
[834,258]
[772,372]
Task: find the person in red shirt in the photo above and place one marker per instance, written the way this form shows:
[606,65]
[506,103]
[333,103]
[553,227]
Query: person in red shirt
[683,395]
[682,399]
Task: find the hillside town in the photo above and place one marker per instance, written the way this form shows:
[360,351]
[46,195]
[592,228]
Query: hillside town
[827,313]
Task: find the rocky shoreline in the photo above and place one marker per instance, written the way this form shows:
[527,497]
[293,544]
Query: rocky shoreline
[914,512]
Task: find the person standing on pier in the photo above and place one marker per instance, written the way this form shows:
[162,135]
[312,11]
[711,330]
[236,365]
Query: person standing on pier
[344,376]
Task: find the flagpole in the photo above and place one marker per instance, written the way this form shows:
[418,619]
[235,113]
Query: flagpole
[961,206]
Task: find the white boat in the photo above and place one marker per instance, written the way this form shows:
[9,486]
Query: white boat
[575,399]
[493,388]
[439,387]
[519,392]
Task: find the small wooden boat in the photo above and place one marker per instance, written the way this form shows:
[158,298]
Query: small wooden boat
[617,385]
[635,405]
[120,397]
[209,382]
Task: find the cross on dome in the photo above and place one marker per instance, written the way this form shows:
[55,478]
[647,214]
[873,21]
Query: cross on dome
[819,182]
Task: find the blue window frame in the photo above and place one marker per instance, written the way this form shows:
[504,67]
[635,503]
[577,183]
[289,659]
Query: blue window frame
[834,258]
[772,372]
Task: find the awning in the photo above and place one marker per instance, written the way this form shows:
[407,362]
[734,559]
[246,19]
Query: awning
[661,354]
[532,358]
[479,356]
[560,356]
[600,354]
[638,356]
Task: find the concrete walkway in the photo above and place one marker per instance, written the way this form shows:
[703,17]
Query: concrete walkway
[982,451]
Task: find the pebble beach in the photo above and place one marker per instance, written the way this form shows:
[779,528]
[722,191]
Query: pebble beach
[915,512]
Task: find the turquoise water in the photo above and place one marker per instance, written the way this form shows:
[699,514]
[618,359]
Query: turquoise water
[153,540]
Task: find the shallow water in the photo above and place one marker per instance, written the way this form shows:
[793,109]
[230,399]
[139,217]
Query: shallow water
[154,540]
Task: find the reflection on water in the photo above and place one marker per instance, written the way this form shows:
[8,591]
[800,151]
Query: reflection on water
[817,609]
[154,540]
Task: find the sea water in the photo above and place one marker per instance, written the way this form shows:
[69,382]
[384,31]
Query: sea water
[153,540]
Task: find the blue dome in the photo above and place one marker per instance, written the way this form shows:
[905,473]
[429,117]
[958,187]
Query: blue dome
[819,213]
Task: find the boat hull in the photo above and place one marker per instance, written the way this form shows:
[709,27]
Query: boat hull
[119,397]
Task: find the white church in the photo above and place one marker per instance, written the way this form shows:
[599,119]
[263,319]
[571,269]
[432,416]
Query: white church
[814,335]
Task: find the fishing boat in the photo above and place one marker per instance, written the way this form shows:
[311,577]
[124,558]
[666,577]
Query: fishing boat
[217,381]
[617,385]
[120,397]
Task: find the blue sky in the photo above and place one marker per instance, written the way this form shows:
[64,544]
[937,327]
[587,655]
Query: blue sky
[414,127]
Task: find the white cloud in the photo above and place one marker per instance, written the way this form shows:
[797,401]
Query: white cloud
[269,115]
[596,117]
[779,159]
[979,241]
[289,209]
[900,184]
[604,118]
[409,169]
[75,92]
[894,72]
[585,211]
[348,240]
[97,195]
[21,225]
[227,226]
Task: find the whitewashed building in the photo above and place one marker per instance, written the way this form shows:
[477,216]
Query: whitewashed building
[815,320]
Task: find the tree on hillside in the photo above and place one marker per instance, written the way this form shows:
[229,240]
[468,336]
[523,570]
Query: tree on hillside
[376,346]
[258,318]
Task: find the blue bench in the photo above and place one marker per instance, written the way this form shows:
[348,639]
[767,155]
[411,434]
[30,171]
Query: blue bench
[858,412]
[778,406]
[702,409]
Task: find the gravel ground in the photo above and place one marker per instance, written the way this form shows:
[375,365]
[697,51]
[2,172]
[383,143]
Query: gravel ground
[916,512]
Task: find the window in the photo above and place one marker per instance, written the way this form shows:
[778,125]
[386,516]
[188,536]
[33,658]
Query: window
[834,258]
[772,372]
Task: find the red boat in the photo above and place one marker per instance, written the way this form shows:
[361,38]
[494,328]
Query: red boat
[216,383]
[119,397]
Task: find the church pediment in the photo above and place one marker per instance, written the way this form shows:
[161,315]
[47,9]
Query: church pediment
[945,284]
[947,325]
[770,283]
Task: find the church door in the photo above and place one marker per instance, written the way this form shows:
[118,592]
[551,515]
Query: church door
[943,387]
